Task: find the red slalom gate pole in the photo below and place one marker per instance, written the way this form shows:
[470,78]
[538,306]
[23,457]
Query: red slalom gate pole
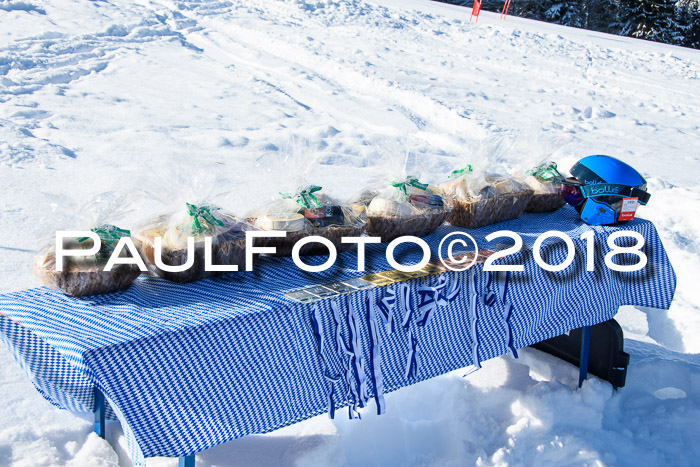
[476,9]
[504,11]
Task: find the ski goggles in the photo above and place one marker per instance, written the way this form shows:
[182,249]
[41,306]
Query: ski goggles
[574,192]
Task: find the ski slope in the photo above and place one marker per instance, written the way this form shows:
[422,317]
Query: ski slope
[100,95]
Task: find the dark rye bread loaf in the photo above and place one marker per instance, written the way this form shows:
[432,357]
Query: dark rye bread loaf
[228,249]
[392,227]
[83,276]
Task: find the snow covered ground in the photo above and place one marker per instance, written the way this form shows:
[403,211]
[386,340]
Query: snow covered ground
[98,95]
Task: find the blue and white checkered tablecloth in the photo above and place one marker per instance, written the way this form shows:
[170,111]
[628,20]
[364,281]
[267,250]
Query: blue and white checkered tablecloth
[187,367]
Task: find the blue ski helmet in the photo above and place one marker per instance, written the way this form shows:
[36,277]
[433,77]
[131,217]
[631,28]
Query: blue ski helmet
[604,190]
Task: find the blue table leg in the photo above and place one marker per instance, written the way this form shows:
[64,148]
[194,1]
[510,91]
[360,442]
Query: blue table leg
[583,360]
[183,461]
[186,461]
[99,413]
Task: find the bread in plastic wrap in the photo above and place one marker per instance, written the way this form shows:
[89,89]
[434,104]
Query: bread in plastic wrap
[404,208]
[305,213]
[545,180]
[481,199]
[83,275]
[198,222]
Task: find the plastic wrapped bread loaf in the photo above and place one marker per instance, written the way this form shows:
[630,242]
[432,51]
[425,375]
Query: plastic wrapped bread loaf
[545,180]
[304,213]
[300,208]
[85,275]
[198,222]
[406,207]
[481,199]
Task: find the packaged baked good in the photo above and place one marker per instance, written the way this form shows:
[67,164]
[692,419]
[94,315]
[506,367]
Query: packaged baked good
[85,275]
[197,222]
[296,205]
[406,207]
[305,212]
[545,180]
[532,161]
[482,198]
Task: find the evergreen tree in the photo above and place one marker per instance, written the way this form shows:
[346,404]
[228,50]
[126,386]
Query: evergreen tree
[566,12]
[534,9]
[599,15]
[688,23]
[647,19]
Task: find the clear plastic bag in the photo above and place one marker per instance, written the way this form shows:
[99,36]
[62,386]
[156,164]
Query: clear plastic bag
[191,198]
[546,181]
[197,222]
[406,207]
[400,204]
[85,275]
[482,194]
[535,168]
[303,213]
[300,208]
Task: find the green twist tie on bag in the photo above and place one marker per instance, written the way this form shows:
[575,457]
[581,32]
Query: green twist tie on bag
[202,214]
[410,181]
[459,172]
[108,234]
[305,198]
[547,173]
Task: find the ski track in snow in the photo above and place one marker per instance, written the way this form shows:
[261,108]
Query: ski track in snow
[106,94]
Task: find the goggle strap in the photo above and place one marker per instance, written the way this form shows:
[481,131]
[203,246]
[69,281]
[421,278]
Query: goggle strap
[641,194]
[614,189]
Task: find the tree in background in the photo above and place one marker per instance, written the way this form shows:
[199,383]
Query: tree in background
[600,15]
[688,23]
[647,19]
[567,12]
